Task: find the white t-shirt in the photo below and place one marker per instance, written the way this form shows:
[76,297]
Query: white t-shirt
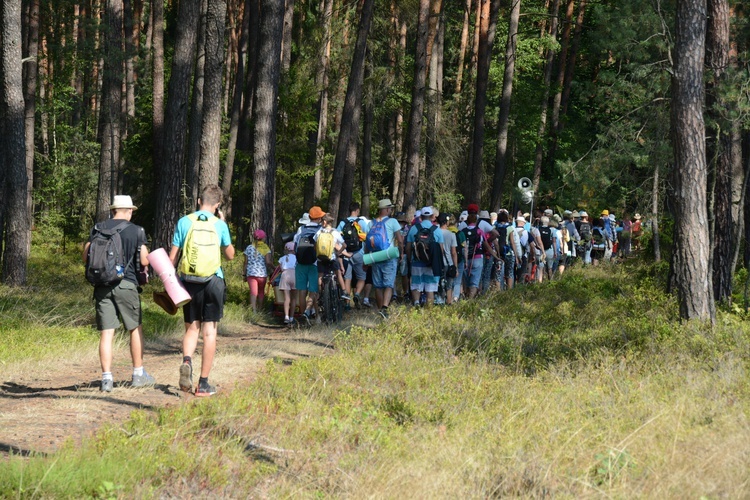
[288,261]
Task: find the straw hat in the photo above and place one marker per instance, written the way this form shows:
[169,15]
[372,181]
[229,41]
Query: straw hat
[385,203]
[122,201]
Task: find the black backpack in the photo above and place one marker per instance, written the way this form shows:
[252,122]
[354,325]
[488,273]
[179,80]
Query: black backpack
[472,240]
[502,231]
[306,253]
[546,233]
[105,262]
[351,236]
[423,240]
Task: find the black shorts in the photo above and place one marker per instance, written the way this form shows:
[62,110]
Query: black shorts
[207,300]
[325,267]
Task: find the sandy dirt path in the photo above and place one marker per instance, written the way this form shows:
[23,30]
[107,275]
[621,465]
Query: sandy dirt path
[44,403]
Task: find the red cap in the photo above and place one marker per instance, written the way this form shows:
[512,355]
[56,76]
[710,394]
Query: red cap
[473,208]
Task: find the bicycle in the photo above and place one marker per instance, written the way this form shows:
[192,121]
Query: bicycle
[329,302]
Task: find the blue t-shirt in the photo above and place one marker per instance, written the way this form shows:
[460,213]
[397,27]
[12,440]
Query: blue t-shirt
[437,235]
[183,226]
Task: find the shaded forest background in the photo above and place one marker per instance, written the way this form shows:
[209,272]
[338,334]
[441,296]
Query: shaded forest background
[290,103]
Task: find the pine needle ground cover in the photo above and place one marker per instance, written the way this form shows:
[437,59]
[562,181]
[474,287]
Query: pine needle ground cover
[588,386]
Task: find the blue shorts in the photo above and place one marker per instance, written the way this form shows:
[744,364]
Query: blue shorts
[473,274]
[384,273]
[355,266]
[306,277]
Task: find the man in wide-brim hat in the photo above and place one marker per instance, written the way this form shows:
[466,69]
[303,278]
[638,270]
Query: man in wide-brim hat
[384,273]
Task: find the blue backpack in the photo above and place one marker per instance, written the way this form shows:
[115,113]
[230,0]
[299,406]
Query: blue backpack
[377,237]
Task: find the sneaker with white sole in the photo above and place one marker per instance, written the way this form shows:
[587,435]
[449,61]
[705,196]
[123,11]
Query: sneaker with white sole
[204,390]
[107,385]
[186,377]
[144,380]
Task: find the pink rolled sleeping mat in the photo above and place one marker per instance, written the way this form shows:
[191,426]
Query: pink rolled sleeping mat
[164,269]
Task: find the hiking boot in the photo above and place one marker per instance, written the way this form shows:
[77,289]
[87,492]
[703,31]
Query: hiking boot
[144,380]
[107,385]
[383,313]
[204,390]
[345,297]
[366,303]
[186,377]
[356,301]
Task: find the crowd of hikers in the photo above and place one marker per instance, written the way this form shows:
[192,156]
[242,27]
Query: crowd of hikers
[431,258]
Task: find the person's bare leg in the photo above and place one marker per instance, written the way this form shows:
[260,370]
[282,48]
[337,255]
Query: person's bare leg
[387,296]
[415,295]
[136,346]
[379,297]
[208,329]
[430,298]
[287,302]
[105,349]
[190,340]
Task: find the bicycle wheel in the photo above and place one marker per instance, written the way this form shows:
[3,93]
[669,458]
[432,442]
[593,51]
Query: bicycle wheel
[338,306]
[328,302]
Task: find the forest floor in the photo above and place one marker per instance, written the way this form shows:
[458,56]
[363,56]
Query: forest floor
[50,401]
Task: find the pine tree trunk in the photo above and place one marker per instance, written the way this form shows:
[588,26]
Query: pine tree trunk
[397,49]
[503,121]
[348,141]
[168,206]
[30,74]
[434,94]
[411,179]
[286,41]
[692,269]
[193,168]
[719,148]
[570,68]
[316,139]
[548,66]
[488,25]
[244,130]
[157,34]
[130,55]
[556,125]
[263,214]
[367,156]
[655,216]
[16,219]
[111,110]
[462,48]
[212,93]
[234,121]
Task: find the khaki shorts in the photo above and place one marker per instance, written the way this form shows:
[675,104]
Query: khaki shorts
[120,300]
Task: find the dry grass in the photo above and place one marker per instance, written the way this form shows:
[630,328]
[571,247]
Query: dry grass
[604,406]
